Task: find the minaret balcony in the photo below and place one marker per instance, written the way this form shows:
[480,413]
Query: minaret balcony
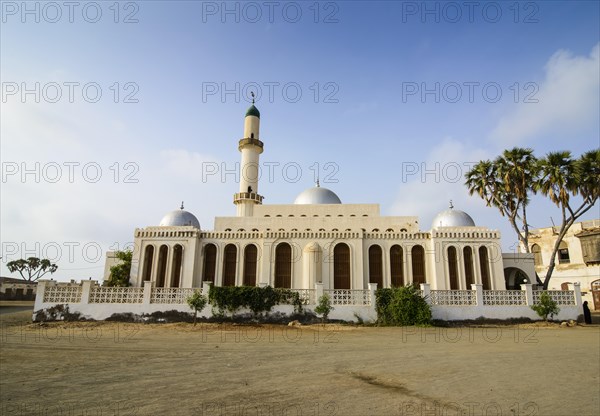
[247,196]
[250,142]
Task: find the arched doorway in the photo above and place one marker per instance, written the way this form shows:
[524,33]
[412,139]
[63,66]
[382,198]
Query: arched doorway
[375,266]
[341,266]
[162,266]
[177,263]
[469,275]
[514,278]
[418,264]
[453,268]
[229,265]
[283,265]
[148,258]
[250,255]
[484,268]
[396,266]
[210,263]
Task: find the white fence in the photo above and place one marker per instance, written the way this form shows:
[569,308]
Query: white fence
[97,302]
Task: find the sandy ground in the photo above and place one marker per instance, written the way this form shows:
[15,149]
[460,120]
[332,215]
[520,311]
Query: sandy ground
[91,368]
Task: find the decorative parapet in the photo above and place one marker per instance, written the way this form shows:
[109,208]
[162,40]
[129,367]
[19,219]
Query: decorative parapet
[166,232]
[356,297]
[466,234]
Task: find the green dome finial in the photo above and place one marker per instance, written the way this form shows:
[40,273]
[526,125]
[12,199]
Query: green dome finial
[253,111]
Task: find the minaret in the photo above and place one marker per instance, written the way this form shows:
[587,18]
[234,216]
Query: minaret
[251,147]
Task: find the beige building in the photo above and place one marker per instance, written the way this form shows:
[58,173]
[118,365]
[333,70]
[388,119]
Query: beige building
[578,259]
[315,239]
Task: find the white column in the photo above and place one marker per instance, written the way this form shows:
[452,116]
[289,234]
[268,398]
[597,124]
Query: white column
[577,289]
[426,288]
[86,289]
[528,288]
[147,292]
[478,293]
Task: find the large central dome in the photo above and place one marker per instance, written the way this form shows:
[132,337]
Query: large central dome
[317,195]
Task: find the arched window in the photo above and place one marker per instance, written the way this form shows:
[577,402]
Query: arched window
[341,266]
[177,263]
[148,257]
[563,253]
[283,265]
[250,254]
[418,264]
[537,254]
[210,263]
[469,275]
[453,268]
[229,265]
[375,266]
[162,266]
[396,269]
[485,268]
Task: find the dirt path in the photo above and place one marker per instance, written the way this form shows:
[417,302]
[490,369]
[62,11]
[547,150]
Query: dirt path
[178,369]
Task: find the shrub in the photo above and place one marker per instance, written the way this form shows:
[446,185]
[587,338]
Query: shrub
[324,307]
[546,306]
[257,299]
[402,306]
[197,302]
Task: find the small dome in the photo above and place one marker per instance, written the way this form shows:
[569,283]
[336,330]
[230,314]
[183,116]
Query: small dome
[317,195]
[179,218]
[452,218]
[253,111]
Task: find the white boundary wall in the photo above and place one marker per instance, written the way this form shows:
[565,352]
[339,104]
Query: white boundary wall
[97,302]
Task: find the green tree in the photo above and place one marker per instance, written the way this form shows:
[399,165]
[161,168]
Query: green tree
[197,302]
[324,307]
[33,267]
[506,184]
[119,273]
[546,306]
[560,179]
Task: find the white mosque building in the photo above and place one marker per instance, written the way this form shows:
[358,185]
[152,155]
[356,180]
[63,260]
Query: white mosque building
[315,239]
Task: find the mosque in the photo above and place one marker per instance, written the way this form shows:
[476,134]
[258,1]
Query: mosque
[316,239]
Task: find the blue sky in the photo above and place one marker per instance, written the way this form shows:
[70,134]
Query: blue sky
[100,169]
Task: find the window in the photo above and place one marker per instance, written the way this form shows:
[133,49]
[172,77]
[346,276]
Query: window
[418,264]
[148,257]
[396,267]
[162,266]
[283,265]
[453,268]
[341,266]
[177,264]
[375,266]
[484,266]
[563,253]
[250,255]
[210,263]
[229,265]
[468,257]
[537,254]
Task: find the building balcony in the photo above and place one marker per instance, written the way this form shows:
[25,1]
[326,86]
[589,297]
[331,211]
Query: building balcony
[247,196]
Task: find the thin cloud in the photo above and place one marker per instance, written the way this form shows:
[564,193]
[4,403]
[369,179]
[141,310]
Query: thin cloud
[567,101]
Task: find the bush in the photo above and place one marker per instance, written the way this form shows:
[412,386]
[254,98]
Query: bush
[401,306]
[546,306]
[324,307]
[257,299]
[197,302]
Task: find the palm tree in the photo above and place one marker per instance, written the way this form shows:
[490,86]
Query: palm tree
[517,169]
[506,183]
[561,177]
